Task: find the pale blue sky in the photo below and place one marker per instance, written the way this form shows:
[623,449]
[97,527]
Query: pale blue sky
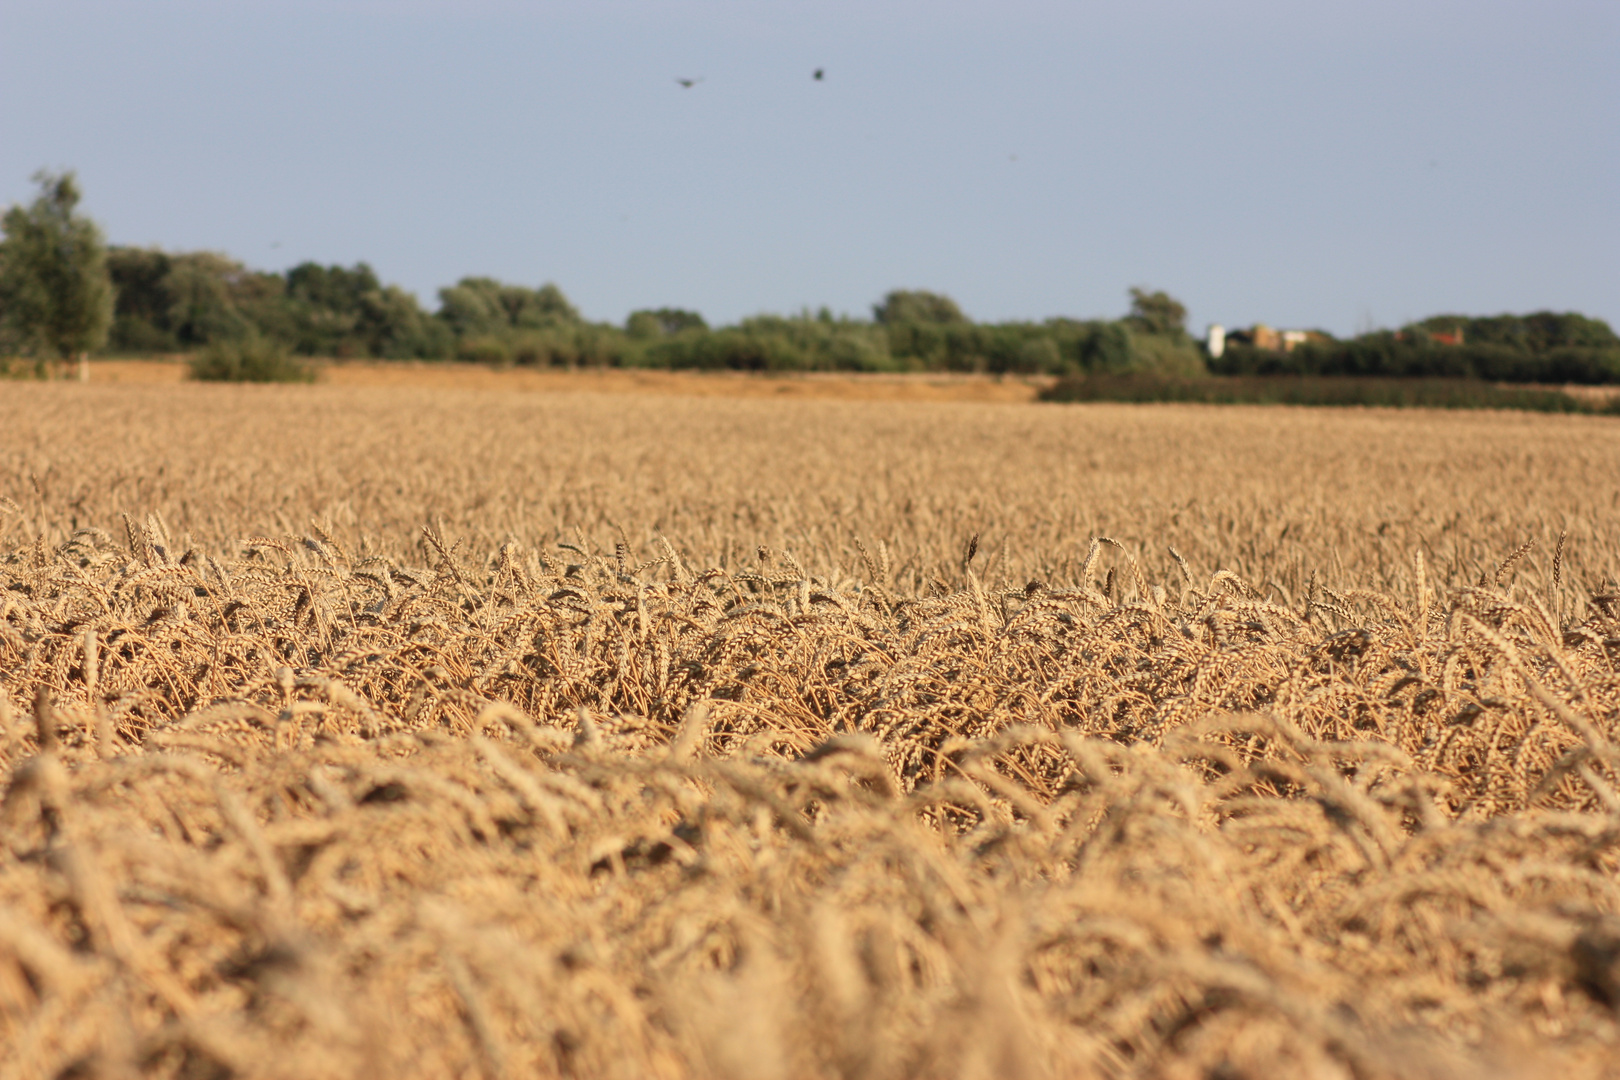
[1304,164]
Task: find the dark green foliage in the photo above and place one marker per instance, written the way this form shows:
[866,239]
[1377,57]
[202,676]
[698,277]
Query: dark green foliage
[13,341]
[647,324]
[1413,353]
[1538,333]
[1543,347]
[1096,345]
[325,307]
[249,358]
[54,290]
[499,324]
[335,287]
[917,306]
[775,343]
[480,305]
[579,345]
[996,347]
[214,298]
[1055,347]
[1165,354]
[343,312]
[1314,390]
[935,346]
[915,331]
[393,326]
[141,312]
[170,302]
[1159,341]
[1156,313]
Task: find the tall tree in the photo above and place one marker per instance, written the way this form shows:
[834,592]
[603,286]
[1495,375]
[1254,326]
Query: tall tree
[649,323]
[917,306]
[54,286]
[1157,313]
[481,305]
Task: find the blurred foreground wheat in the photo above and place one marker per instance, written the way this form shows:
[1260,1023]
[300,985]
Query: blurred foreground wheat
[347,801]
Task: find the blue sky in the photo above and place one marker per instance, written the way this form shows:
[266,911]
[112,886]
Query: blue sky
[1303,164]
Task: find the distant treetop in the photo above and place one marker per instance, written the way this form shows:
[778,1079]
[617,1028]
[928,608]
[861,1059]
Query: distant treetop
[481,305]
[917,306]
[1535,333]
[1157,313]
[651,323]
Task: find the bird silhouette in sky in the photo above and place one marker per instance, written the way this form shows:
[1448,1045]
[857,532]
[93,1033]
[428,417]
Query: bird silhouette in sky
[819,75]
[688,83]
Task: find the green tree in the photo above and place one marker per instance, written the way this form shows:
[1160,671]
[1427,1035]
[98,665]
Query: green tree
[141,315]
[203,289]
[341,311]
[1538,332]
[481,305]
[917,306]
[1157,313]
[649,323]
[54,287]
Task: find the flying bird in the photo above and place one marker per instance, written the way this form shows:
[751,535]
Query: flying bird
[820,73]
[688,83]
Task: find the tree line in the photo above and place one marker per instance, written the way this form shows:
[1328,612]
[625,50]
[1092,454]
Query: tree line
[183,302]
[64,293]
[1544,347]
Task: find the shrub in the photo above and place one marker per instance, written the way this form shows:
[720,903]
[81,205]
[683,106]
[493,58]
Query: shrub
[250,358]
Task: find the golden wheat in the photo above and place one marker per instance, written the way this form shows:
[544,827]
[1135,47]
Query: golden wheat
[386,733]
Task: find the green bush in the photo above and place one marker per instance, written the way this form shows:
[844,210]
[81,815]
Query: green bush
[1315,390]
[251,358]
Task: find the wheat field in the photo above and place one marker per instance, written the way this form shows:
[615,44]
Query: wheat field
[436,732]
